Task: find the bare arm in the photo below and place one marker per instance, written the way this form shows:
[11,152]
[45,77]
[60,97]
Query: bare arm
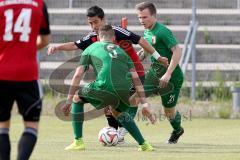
[177,53]
[42,41]
[75,83]
[146,110]
[149,49]
[70,46]
[146,46]
[66,108]
[176,50]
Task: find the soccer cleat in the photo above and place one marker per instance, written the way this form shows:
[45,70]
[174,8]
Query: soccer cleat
[122,132]
[145,147]
[175,136]
[76,145]
[121,140]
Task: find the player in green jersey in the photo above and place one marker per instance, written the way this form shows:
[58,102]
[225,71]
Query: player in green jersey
[115,72]
[159,77]
[125,38]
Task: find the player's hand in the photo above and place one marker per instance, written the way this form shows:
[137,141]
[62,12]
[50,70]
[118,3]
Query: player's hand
[163,61]
[51,50]
[164,80]
[66,108]
[148,112]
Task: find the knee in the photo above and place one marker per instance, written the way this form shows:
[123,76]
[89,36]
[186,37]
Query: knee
[33,125]
[5,124]
[107,111]
[170,113]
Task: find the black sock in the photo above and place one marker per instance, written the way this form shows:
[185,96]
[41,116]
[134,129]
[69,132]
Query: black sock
[5,147]
[112,122]
[120,125]
[27,143]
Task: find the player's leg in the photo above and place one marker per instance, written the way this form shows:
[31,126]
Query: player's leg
[6,103]
[125,119]
[77,112]
[86,94]
[112,122]
[5,146]
[174,118]
[169,102]
[132,110]
[30,105]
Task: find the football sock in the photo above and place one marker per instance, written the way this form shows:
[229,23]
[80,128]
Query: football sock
[112,122]
[26,143]
[132,111]
[129,124]
[77,119]
[176,122]
[5,147]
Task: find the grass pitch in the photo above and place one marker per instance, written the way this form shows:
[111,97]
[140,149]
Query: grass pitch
[210,139]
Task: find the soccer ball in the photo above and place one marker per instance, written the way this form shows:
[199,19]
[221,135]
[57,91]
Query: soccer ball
[108,136]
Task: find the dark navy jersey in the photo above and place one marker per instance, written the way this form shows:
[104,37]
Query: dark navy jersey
[120,34]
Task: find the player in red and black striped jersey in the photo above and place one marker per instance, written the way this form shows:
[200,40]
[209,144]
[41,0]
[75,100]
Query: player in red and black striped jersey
[124,38]
[24,28]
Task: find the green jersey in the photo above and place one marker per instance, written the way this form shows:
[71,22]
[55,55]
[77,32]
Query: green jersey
[111,66]
[162,39]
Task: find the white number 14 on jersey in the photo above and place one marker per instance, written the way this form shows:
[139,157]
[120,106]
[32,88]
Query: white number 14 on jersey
[22,25]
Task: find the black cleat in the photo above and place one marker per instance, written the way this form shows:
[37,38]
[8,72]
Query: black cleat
[175,136]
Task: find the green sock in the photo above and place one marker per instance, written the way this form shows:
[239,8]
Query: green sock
[77,119]
[132,111]
[129,124]
[176,122]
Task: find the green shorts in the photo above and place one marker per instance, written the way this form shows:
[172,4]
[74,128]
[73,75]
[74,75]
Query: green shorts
[100,98]
[169,94]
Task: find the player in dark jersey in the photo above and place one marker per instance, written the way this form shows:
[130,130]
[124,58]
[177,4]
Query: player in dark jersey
[24,28]
[111,87]
[124,38]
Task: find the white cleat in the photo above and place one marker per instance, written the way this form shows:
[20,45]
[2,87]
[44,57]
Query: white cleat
[122,133]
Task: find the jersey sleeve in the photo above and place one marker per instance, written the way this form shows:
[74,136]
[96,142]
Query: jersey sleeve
[168,38]
[124,34]
[45,29]
[86,41]
[85,59]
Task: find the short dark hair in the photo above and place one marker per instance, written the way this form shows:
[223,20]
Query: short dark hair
[106,31]
[150,6]
[95,11]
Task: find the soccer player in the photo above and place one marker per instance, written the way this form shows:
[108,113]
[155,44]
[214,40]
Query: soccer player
[162,39]
[111,87]
[124,38]
[24,28]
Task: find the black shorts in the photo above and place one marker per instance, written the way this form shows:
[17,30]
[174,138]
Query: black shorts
[27,96]
[133,89]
